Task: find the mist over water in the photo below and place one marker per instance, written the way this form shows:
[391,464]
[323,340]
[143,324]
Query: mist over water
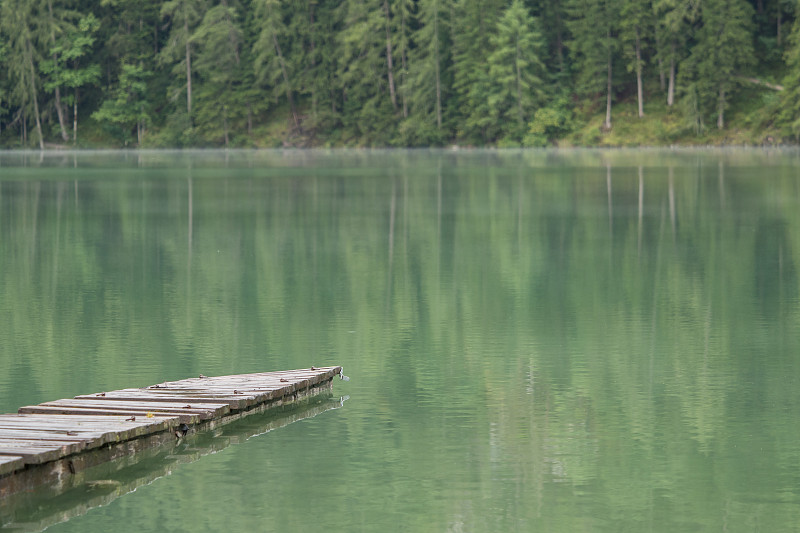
[536,340]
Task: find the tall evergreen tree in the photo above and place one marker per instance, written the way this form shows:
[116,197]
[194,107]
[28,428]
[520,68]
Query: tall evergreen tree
[724,47]
[673,27]
[429,64]
[594,26]
[315,52]
[474,24]
[553,17]
[635,28]
[183,17]
[218,41]
[402,15]
[20,21]
[790,97]
[272,65]
[363,71]
[3,82]
[517,71]
[130,30]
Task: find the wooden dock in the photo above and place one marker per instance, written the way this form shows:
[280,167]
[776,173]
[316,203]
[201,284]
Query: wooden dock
[46,444]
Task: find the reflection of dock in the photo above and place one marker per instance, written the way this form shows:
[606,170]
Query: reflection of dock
[54,443]
[105,483]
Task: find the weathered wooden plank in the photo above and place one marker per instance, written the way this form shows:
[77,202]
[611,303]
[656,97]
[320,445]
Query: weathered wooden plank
[37,453]
[140,395]
[92,439]
[205,409]
[117,427]
[13,445]
[267,391]
[314,376]
[187,416]
[10,463]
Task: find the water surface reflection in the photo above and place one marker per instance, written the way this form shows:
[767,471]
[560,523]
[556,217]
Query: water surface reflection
[557,340]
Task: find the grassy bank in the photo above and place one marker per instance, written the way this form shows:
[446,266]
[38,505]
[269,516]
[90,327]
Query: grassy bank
[748,122]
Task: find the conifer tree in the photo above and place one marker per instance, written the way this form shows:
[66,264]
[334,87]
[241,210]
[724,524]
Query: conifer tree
[429,66]
[724,47]
[18,23]
[310,53]
[130,30]
[552,18]
[218,40]
[402,14]
[790,97]
[673,27]
[362,68]
[473,25]
[272,65]
[3,82]
[516,74]
[635,27]
[594,25]
[183,16]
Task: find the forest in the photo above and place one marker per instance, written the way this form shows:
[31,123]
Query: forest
[406,73]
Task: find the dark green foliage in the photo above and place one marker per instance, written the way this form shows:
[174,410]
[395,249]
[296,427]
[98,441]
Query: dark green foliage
[128,108]
[549,123]
[790,99]
[516,72]
[723,49]
[383,72]
[473,26]
[594,25]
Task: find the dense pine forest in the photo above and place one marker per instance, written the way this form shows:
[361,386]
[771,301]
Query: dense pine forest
[243,73]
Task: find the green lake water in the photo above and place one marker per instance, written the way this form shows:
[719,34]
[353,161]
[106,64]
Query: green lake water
[536,340]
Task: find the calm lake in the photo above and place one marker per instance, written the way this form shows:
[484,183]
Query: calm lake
[536,340]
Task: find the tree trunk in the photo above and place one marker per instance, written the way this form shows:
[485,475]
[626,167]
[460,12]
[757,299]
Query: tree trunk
[639,91]
[517,59]
[75,118]
[35,96]
[225,123]
[671,89]
[721,111]
[188,71]
[607,124]
[404,66]
[59,108]
[249,119]
[389,65]
[779,23]
[661,77]
[436,69]
[312,55]
[61,118]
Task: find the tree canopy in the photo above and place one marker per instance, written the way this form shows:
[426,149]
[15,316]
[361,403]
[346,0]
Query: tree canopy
[388,72]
